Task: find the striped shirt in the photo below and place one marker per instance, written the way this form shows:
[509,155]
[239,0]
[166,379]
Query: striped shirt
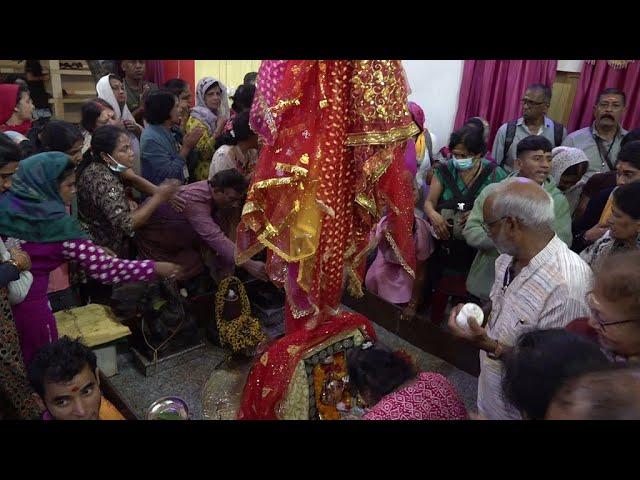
[584,139]
[547,130]
[548,293]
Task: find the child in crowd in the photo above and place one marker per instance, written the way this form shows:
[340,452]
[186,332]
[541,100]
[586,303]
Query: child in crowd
[387,277]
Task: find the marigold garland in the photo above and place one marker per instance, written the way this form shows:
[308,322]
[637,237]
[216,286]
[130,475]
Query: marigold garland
[338,367]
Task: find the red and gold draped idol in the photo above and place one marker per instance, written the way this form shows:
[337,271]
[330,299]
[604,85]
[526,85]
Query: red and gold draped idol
[271,375]
[334,135]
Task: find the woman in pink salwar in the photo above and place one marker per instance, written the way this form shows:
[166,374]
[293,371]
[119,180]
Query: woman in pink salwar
[34,212]
[388,278]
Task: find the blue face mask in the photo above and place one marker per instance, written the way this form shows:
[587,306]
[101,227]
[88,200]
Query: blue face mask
[118,167]
[463,163]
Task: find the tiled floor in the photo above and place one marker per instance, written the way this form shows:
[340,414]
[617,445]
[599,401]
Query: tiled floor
[184,380]
[188,379]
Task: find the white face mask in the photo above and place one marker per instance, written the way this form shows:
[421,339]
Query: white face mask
[118,167]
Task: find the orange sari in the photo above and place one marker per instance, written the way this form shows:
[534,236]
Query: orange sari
[108,411]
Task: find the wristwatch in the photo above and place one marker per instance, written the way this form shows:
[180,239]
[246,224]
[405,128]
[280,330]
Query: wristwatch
[11,261]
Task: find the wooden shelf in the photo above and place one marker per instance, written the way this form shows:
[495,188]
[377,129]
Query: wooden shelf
[11,69]
[20,70]
[72,99]
[77,83]
[86,73]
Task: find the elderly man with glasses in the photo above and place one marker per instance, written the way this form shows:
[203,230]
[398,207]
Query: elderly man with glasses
[601,140]
[539,283]
[534,121]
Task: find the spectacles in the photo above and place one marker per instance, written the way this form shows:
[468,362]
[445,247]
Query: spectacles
[486,226]
[595,313]
[531,103]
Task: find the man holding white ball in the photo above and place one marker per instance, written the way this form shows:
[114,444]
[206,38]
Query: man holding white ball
[539,283]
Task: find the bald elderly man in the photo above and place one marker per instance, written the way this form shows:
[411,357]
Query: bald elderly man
[539,283]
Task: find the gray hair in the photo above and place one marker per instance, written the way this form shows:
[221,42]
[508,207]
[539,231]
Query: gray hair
[535,212]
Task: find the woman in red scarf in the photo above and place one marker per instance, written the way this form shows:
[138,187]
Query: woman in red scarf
[16,108]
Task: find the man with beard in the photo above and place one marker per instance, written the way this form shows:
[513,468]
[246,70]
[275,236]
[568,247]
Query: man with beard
[539,284]
[534,121]
[601,140]
[533,162]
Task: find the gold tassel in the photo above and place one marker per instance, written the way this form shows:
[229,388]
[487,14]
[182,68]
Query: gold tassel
[421,147]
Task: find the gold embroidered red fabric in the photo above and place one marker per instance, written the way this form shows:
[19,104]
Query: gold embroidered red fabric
[334,135]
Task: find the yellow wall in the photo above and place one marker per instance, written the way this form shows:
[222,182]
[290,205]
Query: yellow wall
[229,72]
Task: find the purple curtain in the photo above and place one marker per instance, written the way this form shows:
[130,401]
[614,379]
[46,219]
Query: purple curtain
[595,78]
[155,72]
[492,89]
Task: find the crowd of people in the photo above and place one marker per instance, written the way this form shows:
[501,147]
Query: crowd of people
[531,232]
[541,232]
[129,195]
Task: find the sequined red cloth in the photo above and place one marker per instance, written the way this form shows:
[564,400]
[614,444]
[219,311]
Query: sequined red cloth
[334,135]
[269,378]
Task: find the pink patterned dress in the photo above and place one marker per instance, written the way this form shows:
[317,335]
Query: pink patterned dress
[430,397]
[34,320]
[386,276]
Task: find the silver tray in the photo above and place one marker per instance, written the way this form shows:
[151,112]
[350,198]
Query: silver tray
[168,408]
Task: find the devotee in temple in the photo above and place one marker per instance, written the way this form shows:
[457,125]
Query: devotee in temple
[568,166]
[180,236]
[624,225]
[209,116]
[16,108]
[533,162]
[601,140]
[613,305]
[534,121]
[161,158]
[538,281]
[65,375]
[540,362]
[136,87]
[34,211]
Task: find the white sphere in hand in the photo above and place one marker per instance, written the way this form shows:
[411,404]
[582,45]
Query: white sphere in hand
[469,310]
